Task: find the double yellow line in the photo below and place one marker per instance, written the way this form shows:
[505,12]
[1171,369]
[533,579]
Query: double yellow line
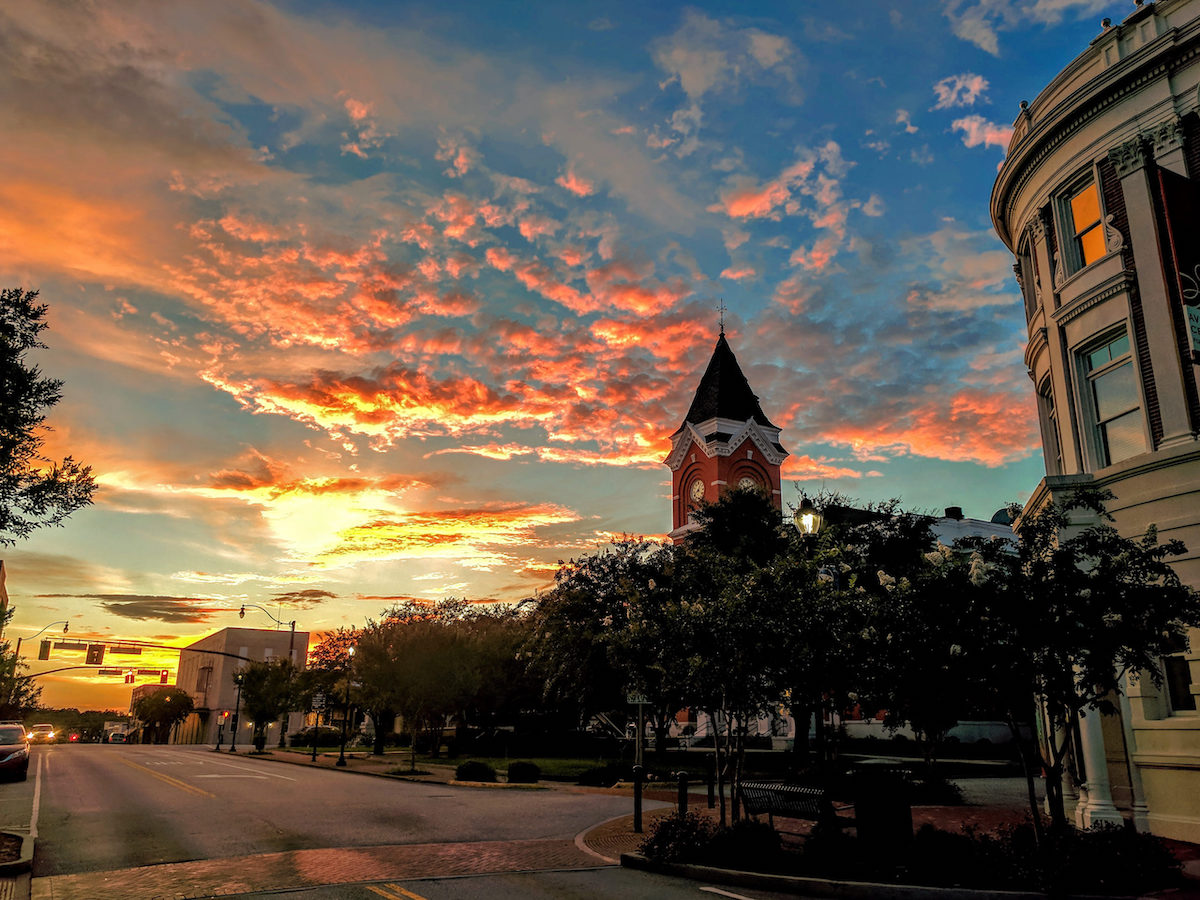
[174,782]
[393,892]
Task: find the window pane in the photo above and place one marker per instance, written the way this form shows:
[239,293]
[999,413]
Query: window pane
[1179,683]
[1115,392]
[1085,208]
[1123,437]
[1119,347]
[1091,245]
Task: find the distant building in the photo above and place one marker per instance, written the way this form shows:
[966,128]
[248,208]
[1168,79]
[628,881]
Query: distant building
[206,671]
[1098,201]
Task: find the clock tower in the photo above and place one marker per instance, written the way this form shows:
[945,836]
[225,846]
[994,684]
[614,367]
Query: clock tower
[725,441]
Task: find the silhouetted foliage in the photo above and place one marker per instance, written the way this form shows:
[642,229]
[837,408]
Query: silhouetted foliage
[161,710]
[34,491]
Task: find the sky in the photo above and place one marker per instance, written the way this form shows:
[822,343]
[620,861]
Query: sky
[356,302]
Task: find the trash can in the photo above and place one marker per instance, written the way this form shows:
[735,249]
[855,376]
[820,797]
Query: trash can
[883,811]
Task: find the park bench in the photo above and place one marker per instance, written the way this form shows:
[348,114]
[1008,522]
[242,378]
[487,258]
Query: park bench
[791,801]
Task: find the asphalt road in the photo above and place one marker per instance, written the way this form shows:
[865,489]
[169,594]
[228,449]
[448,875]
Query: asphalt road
[597,884]
[113,807]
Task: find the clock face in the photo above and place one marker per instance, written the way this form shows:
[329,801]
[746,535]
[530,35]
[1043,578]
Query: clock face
[696,491]
[747,482]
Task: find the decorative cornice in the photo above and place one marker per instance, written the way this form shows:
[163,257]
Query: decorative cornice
[751,429]
[1129,157]
[1166,136]
[1123,285]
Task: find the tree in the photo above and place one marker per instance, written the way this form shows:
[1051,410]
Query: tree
[266,694]
[18,693]
[1072,613]
[34,491]
[163,709]
[731,621]
[605,630]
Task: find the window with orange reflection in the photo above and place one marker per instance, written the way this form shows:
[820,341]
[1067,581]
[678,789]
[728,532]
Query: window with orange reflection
[1083,210]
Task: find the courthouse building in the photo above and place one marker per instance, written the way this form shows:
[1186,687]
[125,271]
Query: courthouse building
[1097,200]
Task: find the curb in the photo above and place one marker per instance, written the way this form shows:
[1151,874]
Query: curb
[820,887]
[417,779]
[25,862]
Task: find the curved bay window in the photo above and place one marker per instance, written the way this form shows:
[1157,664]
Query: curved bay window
[1051,437]
[1114,400]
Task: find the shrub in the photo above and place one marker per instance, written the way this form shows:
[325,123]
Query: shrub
[523,773]
[475,770]
[936,790]
[746,844]
[679,838]
[606,776]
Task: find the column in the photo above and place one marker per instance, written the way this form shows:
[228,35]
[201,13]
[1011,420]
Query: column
[1096,805]
[1141,811]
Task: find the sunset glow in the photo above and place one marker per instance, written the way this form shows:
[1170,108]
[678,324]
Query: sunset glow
[378,301]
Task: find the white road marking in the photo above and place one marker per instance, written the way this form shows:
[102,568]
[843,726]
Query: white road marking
[37,799]
[713,890]
[244,769]
[223,775]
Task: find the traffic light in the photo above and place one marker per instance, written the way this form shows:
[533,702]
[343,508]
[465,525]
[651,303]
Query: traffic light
[44,650]
[162,677]
[95,654]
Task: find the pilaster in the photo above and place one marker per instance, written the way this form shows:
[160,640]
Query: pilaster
[1132,161]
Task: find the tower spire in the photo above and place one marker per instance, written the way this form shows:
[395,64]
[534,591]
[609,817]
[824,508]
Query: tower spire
[721,310]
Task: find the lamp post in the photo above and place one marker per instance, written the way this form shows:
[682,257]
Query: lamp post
[63,622]
[808,518]
[341,761]
[291,661]
[237,679]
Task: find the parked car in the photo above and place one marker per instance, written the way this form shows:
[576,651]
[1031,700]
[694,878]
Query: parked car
[41,734]
[14,752]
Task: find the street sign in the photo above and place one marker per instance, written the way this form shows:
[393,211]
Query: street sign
[635,698]
[318,701]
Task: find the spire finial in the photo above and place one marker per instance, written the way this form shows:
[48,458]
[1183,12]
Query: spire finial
[721,309]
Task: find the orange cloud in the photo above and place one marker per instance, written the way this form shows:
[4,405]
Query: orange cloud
[578,186]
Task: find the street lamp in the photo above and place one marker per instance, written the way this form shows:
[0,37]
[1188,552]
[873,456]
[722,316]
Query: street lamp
[808,518]
[238,678]
[341,761]
[63,622]
[291,660]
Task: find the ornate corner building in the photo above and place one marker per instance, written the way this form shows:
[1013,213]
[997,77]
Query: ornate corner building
[1099,201]
[725,440]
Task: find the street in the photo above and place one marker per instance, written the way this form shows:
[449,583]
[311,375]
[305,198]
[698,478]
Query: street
[138,821]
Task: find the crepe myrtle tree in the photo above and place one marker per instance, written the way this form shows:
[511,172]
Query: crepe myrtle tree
[267,689]
[34,490]
[1073,612]
[162,710]
[606,629]
[732,621]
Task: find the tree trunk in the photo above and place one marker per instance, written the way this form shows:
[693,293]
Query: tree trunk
[1027,770]
[718,764]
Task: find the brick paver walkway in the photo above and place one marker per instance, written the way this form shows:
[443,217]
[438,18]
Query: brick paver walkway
[304,868]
